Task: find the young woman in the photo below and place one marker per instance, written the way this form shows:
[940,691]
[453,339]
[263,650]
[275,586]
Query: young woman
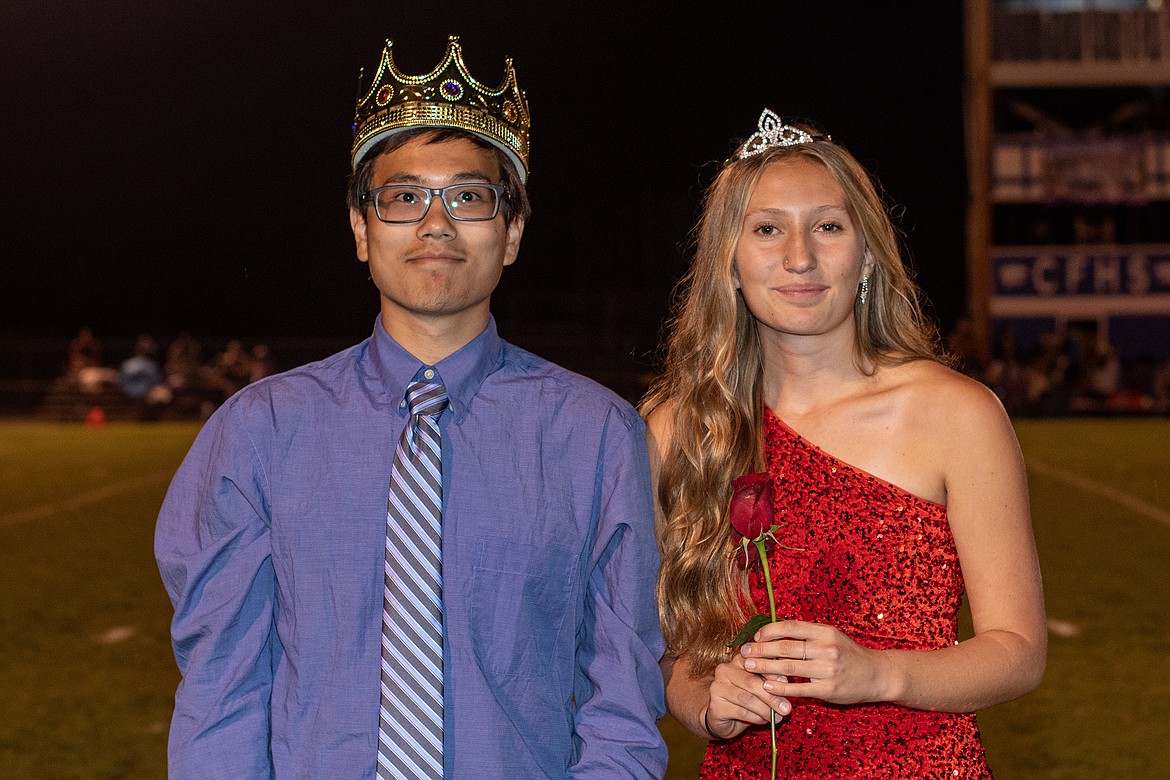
[798,350]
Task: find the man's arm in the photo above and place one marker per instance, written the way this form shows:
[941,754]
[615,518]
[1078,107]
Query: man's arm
[620,642]
[213,551]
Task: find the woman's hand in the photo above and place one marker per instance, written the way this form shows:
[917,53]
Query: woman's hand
[827,664]
[737,699]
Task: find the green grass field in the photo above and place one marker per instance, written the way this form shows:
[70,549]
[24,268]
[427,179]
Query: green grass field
[87,677]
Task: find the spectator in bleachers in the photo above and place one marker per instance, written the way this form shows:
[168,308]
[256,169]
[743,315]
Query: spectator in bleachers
[1104,374]
[85,351]
[963,346]
[85,363]
[233,368]
[181,369]
[1007,376]
[263,363]
[140,373]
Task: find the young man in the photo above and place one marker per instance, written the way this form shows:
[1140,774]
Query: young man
[432,554]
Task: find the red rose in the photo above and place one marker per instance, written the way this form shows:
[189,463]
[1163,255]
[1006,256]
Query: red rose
[751,506]
[752,529]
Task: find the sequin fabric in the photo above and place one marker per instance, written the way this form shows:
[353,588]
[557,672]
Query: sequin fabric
[879,564]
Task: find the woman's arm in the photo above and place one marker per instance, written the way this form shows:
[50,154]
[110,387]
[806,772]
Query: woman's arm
[724,703]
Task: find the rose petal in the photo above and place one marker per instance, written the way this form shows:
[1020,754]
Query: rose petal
[751,509]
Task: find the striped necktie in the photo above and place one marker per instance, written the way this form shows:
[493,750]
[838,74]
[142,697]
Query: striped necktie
[410,738]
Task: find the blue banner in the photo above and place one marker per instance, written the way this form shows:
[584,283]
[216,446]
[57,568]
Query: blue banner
[1055,272]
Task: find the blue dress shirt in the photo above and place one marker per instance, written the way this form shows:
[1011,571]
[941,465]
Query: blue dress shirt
[271,544]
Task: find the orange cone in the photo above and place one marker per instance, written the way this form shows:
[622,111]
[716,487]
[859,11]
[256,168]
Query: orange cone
[96,417]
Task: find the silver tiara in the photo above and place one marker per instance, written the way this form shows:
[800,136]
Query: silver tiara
[773,132]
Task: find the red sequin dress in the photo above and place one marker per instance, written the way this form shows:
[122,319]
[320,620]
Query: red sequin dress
[879,564]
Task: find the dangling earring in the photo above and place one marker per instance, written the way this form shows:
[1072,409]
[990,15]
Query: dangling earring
[864,290]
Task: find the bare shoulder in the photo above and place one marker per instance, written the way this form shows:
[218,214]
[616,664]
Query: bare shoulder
[963,431]
[958,447]
[660,427]
[947,402]
[659,435]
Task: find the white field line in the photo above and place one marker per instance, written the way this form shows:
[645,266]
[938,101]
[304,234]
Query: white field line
[97,495]
[1100,488]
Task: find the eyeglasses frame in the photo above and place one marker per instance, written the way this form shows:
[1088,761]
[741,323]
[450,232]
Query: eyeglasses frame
[369,196]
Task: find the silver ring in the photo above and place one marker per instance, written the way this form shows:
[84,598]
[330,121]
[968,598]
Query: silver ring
[804,649]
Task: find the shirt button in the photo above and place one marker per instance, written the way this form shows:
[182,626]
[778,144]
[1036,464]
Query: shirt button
[429,374]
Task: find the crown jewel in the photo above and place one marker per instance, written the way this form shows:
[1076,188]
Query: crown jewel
[773,132]
[448,96]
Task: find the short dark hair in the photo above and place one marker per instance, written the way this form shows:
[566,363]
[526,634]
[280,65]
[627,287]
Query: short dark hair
[515,205]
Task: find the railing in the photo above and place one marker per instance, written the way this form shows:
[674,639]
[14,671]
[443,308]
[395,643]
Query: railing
[1096,36]
[1129,169]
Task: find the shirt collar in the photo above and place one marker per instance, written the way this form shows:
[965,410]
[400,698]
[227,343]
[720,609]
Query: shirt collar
[463,371]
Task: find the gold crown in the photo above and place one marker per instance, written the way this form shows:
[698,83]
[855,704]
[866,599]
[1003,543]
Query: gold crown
[448,96]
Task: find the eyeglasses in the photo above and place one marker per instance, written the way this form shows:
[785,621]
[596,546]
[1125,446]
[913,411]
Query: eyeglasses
[403,203]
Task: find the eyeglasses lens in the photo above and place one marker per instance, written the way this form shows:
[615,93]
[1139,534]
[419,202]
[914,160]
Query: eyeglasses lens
[409,204]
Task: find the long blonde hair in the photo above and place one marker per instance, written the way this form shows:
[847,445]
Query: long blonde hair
[712,378]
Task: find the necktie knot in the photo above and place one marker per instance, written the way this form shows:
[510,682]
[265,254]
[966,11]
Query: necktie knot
[429,398]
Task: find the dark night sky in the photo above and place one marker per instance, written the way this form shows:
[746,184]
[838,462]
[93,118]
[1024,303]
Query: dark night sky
[182,165]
